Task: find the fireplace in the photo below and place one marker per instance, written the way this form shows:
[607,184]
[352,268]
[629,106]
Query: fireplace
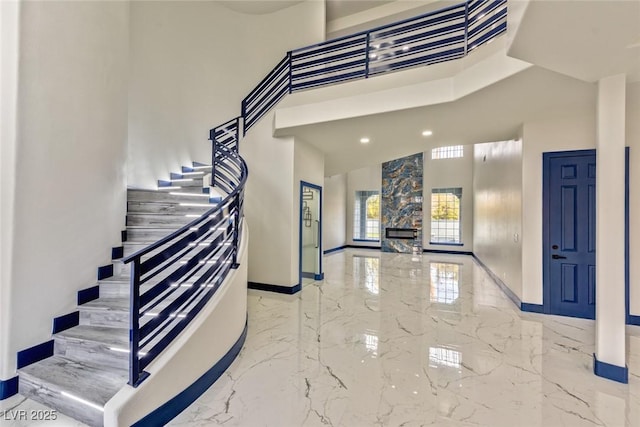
[401,233]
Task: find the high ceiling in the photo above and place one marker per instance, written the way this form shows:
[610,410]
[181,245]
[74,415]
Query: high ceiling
[341,8]
[258,7]
[587,40]
[492,114]
[572,43]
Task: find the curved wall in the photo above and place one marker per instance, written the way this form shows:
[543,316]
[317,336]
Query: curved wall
[200,347]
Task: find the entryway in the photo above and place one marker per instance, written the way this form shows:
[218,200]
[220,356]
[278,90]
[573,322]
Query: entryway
[569,227]
[310,232]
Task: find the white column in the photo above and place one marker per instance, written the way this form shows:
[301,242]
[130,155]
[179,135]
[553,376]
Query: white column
[610,280]
[9,44]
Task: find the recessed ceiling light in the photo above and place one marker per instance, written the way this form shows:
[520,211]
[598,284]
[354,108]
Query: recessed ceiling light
[364,140]
[427,133]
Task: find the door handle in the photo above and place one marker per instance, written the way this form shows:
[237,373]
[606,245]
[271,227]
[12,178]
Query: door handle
[317,242]
[556,256]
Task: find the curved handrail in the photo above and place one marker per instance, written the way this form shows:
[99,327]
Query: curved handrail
[184,269]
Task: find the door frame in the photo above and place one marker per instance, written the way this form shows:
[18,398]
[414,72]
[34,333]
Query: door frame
[546,237]
[319,188]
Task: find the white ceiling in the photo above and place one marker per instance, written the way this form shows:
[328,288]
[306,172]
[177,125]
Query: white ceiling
[340,8]
[492,114]
[258,7]
[572,43]
[587,40]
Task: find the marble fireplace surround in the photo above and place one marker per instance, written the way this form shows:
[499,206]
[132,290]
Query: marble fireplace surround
[401,202]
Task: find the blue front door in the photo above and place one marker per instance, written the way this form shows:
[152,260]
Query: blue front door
[570,224]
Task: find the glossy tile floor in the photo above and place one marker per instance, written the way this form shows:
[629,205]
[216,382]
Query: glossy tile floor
[395,340]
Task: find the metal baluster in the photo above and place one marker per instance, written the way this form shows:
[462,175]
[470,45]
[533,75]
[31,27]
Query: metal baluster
[214,147]
[243,113]
[134,324]
[238,135]
[466,27]
[236,223]
[290,72]
[366,53]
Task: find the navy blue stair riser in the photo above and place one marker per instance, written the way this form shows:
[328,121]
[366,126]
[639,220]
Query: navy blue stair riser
[65,322]
[35,354]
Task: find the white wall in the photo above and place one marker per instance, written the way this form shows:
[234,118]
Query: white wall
[71,152]
[633,141]
[308,166]
[269,205]
[572,132]
[334,229]
[365,179]
[191,65]
[272,202]
[9,47]
[450,173]
[497,218]
[437,174]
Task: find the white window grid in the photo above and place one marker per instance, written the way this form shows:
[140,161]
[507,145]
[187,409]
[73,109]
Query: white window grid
[446,230]
[365,228]
[449,152]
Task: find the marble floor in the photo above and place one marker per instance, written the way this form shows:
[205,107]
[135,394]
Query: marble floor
[395,340]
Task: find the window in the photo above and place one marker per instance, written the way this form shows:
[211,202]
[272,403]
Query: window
[445,215]
[366,216]
[451,152]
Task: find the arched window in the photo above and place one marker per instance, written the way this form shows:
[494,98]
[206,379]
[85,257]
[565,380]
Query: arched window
[445,216]
[366,218]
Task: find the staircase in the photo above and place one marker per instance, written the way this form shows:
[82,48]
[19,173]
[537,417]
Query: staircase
[91,361]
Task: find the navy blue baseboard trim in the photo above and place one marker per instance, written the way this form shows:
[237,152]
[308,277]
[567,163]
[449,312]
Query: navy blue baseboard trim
[89,294]
[609,371]
[179,403]
[275,288]
[339,248]
[532,308]
[441,251]
[367,240]
[513,297]
[117,252]
[633,320]
[35,354]
[8,388]
[363,247]
[105,271]
[65,322]
[318,276]
[307,275]
[123,236]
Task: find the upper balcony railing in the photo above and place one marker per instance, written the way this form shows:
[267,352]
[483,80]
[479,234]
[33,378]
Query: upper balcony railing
[438,36]
[172,279]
